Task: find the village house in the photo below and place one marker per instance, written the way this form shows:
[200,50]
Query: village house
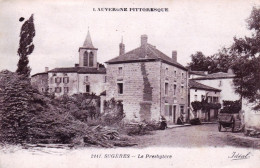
[86,77]
[148,82]
[199,92]
[220,80]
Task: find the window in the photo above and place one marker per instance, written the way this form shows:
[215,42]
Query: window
[202,97]
[174,89]
[181,109]
[215,99]
[166,88]
[105,79]
[120,88]
[58,89]
[182,90]
[50,90]
[66,80]
[87,88]
[42,89]
[54,74]
[58,80]
[175,73]
[220,83]
[91,59]
[120,70]
[209,99]
[85,59]
[86,78]
[66,89]
[182,75]
[166,71]
[196,97]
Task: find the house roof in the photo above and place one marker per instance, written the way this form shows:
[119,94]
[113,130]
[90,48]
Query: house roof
[201,73]
[88,42]
[40,73]
[79,70]
[196,85]
[146,52]
[218,75]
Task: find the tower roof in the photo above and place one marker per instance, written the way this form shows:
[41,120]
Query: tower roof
[88,42]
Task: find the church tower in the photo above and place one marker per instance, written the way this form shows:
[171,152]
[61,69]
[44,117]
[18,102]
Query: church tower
[88,54]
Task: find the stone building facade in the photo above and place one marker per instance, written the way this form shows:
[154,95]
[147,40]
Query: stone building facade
[86,77]
[148,82]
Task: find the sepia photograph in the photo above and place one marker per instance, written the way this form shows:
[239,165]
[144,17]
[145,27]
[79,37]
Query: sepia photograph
[170,83]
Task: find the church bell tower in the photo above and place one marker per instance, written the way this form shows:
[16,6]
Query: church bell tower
[88,54]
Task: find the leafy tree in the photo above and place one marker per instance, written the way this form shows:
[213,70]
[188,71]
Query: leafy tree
[199,62]
[219,62]
[26,47]
[242,57]
[247,65]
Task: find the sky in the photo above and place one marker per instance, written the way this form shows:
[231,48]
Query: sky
[61,28]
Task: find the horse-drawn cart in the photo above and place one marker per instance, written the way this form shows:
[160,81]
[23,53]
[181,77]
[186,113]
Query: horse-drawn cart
[227,121]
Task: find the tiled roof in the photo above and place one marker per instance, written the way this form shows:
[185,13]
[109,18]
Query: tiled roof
[196,85]
[40,73]
[201,73]
[146,52]
[80,70]
[218,75]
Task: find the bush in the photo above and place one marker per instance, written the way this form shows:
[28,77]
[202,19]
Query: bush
[113,112]
[231,107]
[27,116]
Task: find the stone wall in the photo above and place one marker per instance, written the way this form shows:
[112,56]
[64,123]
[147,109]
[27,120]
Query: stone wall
[144,89]
[40,81]
[173,76]
[95,81]
[77,83]
[72,84]
[141,89]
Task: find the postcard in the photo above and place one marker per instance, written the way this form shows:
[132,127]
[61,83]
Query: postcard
[129,83]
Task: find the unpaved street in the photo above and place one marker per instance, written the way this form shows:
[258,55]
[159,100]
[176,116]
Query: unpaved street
[191,136]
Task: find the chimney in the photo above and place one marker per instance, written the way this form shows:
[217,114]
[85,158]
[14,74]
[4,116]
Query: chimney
[121,47]
[144,39]
[174,55]
[46,69]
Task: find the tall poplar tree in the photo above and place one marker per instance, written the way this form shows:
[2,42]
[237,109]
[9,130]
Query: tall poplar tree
[26,47]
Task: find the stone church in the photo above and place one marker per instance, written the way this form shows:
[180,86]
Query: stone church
[148,82]
[88,76]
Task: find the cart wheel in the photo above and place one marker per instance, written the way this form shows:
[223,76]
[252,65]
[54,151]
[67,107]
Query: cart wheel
[219,127]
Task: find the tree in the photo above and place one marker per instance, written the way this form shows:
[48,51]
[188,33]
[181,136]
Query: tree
[219,62]
[26,47]
[199,62]
[247,65]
